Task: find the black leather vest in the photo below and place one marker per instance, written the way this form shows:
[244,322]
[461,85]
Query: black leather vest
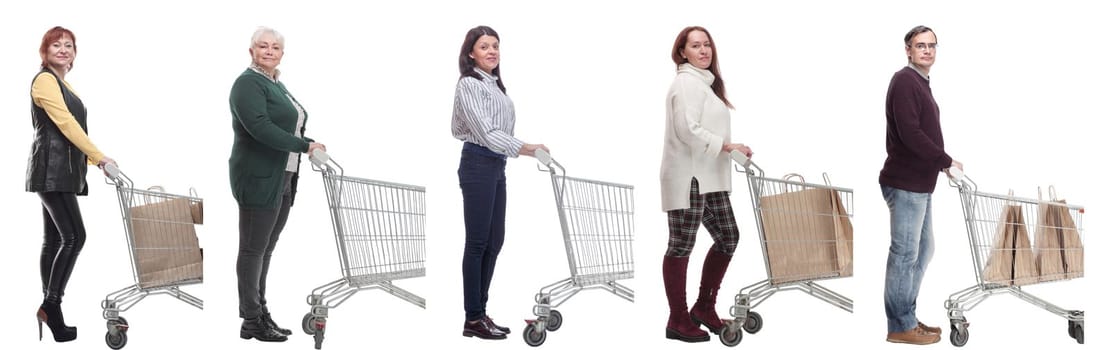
[55,164]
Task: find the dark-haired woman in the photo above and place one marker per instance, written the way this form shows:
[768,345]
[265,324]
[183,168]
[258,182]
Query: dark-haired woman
[484,119]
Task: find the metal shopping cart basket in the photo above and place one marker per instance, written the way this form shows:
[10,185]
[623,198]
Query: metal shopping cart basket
[806,235]
[1006,258]
[596,219]
[379,233]
[165,252]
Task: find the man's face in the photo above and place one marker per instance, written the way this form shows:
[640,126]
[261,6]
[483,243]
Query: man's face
[922,50]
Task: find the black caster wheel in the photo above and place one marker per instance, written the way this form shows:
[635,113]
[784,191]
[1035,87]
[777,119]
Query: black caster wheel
[555,321]
[535,337]
[117,341]
[754,323]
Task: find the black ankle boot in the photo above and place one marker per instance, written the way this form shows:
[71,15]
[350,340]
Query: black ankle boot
[258,329]
[50,312]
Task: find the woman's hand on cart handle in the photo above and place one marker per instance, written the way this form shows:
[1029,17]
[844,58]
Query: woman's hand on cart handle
[529,149]
[729,147]
[109,166]
[314,146]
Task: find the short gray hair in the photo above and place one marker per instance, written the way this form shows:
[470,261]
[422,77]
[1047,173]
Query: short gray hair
[258,33]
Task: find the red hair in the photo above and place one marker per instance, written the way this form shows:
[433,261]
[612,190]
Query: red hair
[52,35]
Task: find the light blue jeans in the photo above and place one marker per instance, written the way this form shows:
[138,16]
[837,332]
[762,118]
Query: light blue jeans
[911,248]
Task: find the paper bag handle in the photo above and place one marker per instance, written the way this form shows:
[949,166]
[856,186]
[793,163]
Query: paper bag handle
[794,175]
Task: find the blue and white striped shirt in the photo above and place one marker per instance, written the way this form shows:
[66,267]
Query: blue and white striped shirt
[484,115]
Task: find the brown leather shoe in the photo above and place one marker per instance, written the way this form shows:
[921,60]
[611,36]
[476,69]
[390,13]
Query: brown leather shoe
[481,329]
[503,329]
[917,336]
[937,330]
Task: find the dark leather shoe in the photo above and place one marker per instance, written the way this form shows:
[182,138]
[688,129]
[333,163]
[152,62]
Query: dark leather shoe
[258,329]
[269,322]
[481,328]
[503,329]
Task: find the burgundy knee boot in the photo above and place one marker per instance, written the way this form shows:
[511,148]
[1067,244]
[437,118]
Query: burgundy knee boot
[704,310]
[680,326]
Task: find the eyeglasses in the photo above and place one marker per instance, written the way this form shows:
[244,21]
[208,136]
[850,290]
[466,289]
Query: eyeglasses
[922,46]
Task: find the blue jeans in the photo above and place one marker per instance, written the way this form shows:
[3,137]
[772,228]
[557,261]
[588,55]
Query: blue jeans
[911,247]
[482,180]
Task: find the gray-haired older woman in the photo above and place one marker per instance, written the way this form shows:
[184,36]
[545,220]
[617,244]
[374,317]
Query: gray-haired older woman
[265,158]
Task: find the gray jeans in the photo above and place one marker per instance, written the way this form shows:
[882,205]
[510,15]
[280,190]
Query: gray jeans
[258,233]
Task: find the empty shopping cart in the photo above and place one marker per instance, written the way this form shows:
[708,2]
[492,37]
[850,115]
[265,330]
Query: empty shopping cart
[162,242]
[806,235]
[1016,242]
[379,233]
[596,219]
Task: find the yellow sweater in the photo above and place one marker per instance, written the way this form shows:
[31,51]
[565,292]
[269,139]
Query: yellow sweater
[46,93]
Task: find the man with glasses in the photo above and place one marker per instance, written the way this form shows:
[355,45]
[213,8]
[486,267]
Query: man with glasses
[914,158]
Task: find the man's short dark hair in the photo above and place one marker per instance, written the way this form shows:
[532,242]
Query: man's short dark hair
[916,30]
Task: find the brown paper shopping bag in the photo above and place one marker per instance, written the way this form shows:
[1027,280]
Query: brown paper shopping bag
[845,237]
[1049,250]
[1073,253]
[1010,260]
[1070,240]
[167,251]
[805,238]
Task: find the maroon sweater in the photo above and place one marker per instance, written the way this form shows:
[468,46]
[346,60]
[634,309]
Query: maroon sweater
[914,141]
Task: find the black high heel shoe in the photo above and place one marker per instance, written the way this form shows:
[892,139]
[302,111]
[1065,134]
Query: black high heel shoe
[51,314]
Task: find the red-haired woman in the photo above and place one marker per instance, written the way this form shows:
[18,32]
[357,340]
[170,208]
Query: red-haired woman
[695,182]
[56,171]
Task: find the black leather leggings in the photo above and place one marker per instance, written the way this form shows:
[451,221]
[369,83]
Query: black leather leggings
[64,235]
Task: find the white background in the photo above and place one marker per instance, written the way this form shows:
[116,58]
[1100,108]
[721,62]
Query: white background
[1020,87]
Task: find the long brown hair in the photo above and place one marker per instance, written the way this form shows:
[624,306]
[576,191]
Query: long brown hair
[714,67]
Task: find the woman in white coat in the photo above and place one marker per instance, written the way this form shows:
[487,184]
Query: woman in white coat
[696,181]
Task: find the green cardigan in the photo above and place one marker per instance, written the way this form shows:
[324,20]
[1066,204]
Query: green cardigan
[264,120]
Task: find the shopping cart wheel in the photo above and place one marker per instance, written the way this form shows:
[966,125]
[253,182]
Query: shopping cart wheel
[117,341]
[309,323]
[1079,334]
[533,336]
[959,337]
[555,321]
[754,322]
[122,321]
[731,336]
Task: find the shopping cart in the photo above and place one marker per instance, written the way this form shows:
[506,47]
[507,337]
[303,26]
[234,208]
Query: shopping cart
[596,220]
[165,253]
[1022,264]
[805,231]
[379,233]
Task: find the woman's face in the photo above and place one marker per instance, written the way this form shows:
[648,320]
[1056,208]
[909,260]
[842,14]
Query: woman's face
[61,53]
[267,53]
[486,53]
[698,49]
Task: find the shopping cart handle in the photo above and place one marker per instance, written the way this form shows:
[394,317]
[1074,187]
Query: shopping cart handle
[319,157]
[112,170]
[956,174]
[543,157]
[741,158]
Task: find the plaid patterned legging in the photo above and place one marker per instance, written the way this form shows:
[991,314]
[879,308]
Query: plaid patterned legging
[714,210]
